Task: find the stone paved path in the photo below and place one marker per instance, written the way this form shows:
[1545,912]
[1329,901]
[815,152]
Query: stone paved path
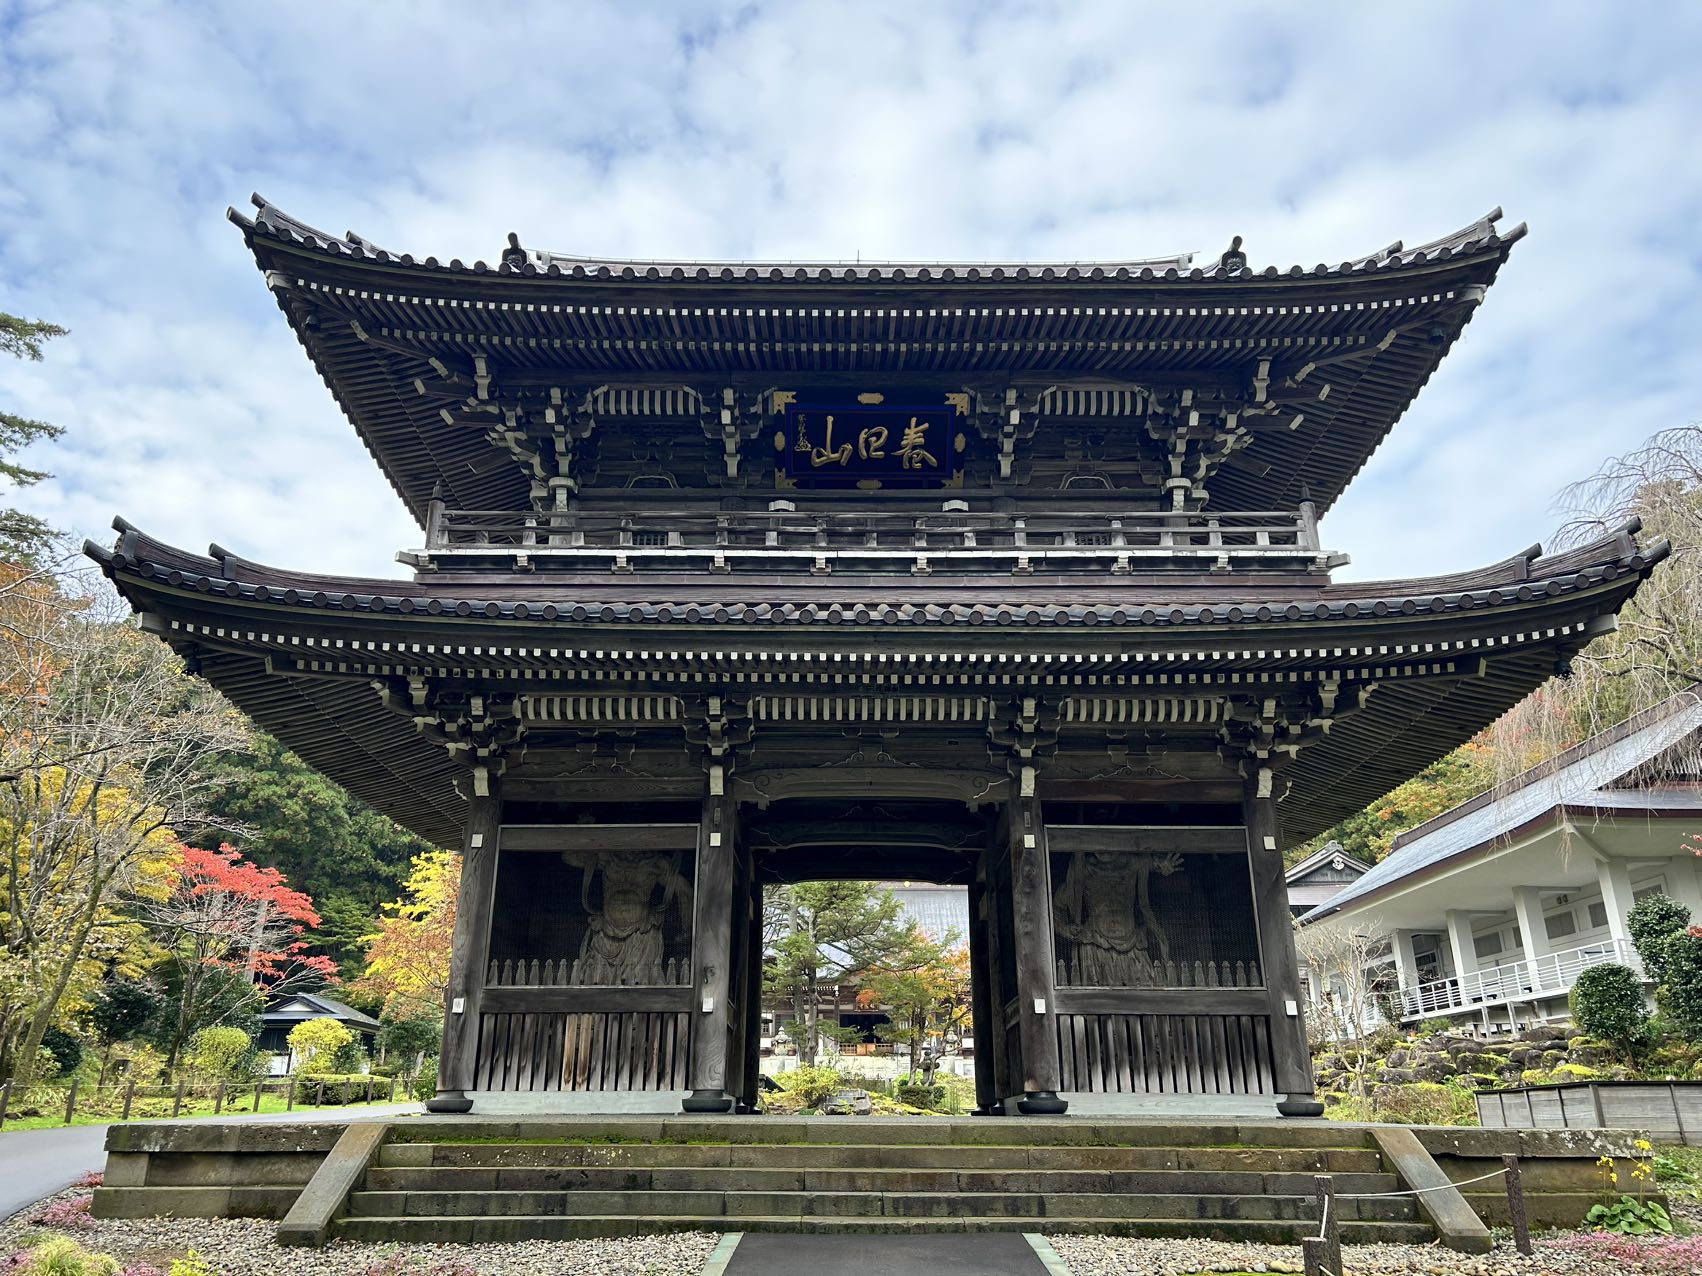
[946,1254]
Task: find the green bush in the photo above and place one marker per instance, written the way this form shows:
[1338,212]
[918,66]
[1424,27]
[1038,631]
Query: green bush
[340,1087]
[1652,923]
[220,1053]
[811,1086]
[1607,1002]
[931,1097]
[425,1085]
[349,1056]
[317,1041]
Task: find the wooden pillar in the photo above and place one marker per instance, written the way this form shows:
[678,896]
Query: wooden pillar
[751,1093]
[469,953]
[1291,1060]
[1031,913]
[712,958]
[985,1021]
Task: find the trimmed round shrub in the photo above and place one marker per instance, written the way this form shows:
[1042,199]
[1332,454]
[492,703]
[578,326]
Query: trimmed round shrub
[1652,923]
[317,1041]
[220,1053]
[1607,1002]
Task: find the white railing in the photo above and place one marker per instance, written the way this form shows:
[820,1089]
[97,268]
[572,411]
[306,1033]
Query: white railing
[1550,975]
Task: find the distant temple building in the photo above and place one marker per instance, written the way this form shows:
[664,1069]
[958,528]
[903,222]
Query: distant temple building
[997,575]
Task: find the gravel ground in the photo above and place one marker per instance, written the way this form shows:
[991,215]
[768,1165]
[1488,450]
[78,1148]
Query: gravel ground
[1121,1256]
[245,1247]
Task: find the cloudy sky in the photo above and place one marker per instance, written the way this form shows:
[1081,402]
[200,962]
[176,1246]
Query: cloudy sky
[793,129]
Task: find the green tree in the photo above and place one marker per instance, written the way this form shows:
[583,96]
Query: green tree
[316,1042]
[349,858]
[1445,783]
[924,988]
[123,1009]
[23,536]
[1681,995]
[1607,1002]
[1652,923]
[823,934]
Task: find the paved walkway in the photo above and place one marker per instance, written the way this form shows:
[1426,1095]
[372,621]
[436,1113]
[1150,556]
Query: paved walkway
[941,1254]
[38,1163]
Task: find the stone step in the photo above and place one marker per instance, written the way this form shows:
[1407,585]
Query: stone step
[1310,1160]
[446,1206]
[869,1179]
[476,1229]
[905,1131]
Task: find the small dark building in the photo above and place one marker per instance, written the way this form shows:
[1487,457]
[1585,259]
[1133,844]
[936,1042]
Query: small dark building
[280,1019]
[1004,575]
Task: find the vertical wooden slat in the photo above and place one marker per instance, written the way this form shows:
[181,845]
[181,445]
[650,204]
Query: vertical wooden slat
[569,1052]
[665,1053]
[643,1073]
[1221,1079]
[1127,1041]
[523,1051]
[594,1055]
[1095,1032]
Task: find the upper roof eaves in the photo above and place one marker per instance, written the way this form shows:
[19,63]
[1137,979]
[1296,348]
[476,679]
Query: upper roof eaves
[1479,238]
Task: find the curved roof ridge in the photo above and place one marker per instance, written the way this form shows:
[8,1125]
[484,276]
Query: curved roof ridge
[272,221]
[676,600]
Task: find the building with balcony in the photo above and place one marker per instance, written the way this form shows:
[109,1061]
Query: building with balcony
[1492,909]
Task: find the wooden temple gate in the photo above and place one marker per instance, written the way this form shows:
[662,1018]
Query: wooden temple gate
[1000,575]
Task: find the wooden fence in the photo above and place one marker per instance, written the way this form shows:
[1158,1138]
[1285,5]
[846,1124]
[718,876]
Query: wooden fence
[226,1096]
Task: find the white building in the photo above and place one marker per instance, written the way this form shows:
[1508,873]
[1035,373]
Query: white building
[1492,909]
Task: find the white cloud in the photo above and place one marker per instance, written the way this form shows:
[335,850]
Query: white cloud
[822,130]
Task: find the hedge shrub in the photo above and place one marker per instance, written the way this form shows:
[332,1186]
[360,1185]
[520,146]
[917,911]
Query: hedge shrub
[340,1087]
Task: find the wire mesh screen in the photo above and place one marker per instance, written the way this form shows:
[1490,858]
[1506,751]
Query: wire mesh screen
[1163,910]
[592,918]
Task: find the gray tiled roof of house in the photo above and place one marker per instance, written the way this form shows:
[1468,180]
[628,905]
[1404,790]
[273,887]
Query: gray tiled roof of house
[329,1008]
[1577,777]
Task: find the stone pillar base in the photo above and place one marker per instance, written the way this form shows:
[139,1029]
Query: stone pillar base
[1300,1105]
[1042,1103]
[707,1101]
[449,1101]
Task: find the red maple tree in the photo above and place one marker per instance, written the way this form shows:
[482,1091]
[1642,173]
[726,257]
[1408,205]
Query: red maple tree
[227,915]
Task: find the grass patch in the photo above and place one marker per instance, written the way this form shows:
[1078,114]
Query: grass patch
[238,1103]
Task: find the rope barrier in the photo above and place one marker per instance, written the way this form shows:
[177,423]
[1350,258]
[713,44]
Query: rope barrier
[1324,1220]
[1420,1191]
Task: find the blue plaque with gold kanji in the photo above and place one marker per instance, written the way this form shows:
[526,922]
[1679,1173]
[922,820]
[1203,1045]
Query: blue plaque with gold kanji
[831,444]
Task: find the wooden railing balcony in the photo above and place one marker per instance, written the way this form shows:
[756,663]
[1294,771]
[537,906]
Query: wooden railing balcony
[783,539]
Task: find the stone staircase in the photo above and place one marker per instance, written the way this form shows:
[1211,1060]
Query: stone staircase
[559,1178]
